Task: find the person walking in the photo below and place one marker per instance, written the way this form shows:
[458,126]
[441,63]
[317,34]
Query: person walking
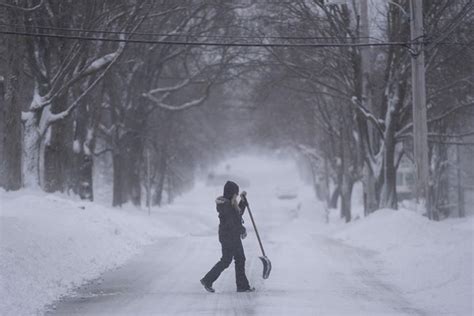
[231,233]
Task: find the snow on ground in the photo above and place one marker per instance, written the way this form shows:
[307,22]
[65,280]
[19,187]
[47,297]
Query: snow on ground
[431,261]
[49,244]
[390,263]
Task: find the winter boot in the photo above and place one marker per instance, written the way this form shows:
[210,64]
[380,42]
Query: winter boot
[207,286]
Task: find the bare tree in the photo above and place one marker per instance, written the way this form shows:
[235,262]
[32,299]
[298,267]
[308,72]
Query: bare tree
[47,121]
[10,168]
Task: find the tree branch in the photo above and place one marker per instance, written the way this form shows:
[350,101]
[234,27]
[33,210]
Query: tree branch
[369,116]
[181,107]
[400,133]
[6,5]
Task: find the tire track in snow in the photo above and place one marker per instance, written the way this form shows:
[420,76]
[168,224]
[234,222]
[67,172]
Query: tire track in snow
[366,271]
[164,280]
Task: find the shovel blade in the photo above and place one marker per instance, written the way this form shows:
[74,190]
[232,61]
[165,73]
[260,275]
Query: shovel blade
[267,266]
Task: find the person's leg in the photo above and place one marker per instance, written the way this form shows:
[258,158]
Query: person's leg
[215,272]
[239,259]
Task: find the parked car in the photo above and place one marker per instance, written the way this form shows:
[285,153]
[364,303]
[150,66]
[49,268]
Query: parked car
[286,193]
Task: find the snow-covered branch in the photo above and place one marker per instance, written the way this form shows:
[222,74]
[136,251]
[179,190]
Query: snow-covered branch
[176,87]
[52,118]
[93,67]
[184,106]
[379,124]
[6,5]
[100,63]
[41,101]
[160,101]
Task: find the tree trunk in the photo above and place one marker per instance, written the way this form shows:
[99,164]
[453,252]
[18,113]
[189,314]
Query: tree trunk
[334,197]
[134,188]
[317,186]
[57,153]
[346,196]
[161,179]
[118,197]
[86,164]
[440,180]
[163,161]
[133,158]
[11,136]
[171,188]
[83,148]
[31,163]
[126,183]
[388,194]
[82,167]
[370,192]
[55,158]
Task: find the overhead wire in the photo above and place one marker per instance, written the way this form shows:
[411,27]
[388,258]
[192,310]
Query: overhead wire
[197,43]
[328,41]
[284,37]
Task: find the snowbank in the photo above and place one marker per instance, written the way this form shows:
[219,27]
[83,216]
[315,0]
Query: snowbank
[49,244]
[431,261]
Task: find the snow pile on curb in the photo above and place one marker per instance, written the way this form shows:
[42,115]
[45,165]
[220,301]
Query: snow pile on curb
[431,261]
[50,244]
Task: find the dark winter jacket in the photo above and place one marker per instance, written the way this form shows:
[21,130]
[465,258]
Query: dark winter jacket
[231,224]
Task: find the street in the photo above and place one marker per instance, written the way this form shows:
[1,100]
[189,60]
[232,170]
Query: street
[312,273]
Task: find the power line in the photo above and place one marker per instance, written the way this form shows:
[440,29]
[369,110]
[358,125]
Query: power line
[223,44]
[202,35]
[195,43]
[283,37]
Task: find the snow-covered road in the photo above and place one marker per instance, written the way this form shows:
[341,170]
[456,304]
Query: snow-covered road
[313,274]
[164,281]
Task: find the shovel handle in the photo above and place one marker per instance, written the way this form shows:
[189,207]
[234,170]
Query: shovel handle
[255,227]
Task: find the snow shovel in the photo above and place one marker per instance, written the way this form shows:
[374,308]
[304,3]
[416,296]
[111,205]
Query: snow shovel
[267,265]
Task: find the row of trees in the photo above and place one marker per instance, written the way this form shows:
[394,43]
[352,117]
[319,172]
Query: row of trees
[353,120]
[72,103]
[70,100]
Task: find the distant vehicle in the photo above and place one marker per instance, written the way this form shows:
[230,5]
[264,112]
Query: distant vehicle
[286,193]
[214,179]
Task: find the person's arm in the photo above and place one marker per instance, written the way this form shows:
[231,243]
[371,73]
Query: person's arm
[243,202]
[242,206]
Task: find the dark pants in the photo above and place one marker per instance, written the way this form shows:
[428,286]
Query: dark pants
[230,250]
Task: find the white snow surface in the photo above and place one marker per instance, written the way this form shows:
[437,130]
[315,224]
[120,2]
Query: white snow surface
[49,244]
[390,263]
[432,262]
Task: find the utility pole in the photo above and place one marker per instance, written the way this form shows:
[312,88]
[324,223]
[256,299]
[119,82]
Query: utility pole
[420,125]
[370,203]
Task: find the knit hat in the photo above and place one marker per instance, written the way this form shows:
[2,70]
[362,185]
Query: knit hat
[230,188]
